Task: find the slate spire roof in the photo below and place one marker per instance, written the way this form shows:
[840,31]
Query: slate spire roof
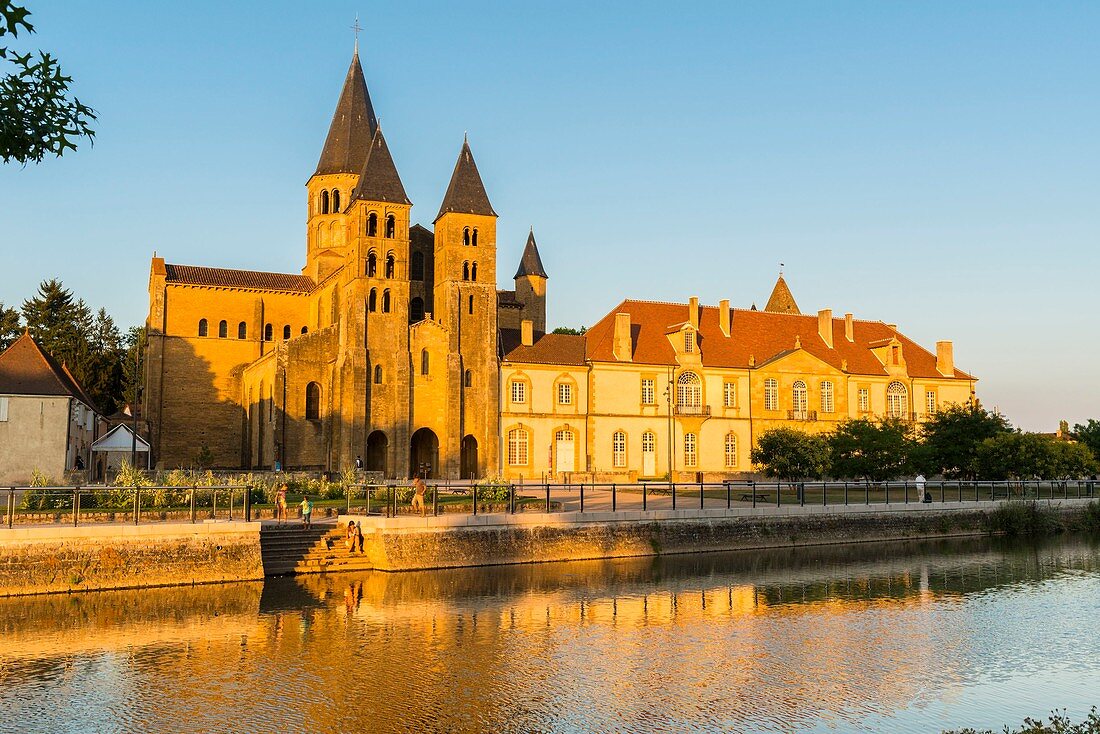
[353,125]
[531,263]
[378,181]
[466,192]
[27,369]
[781,300]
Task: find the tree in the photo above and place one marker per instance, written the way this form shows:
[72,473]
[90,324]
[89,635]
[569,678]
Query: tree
[950,439]
[1089,435]
[10,326]
[37,117]
[865,449]
[569,330]
[1032,456]
[790,455]
[133,365]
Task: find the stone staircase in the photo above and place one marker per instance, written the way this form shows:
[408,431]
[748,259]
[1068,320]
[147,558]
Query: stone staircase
[290,549]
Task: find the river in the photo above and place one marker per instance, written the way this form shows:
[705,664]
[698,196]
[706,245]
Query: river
[892,637]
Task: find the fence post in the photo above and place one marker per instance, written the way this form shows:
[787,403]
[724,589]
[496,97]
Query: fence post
[11,507]
[975,492]
[866,491]
[582,496]
[473,494]
[214,511]
[614,498]
[137,504]
[700,495]
[672,488]
[347,496]
[247,504]
[906,485]
[230,504]
[886,486]
[845,492]
[511,498]
[76,506]
[824,494]
[548,498]
[192,504]
[368,491]
[729,495]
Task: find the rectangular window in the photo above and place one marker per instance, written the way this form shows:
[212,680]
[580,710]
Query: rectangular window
[864,400]
[729,393]
[827,396]
[689,341]
[771,394]
[690,456]
[731,450]
[648,393]
[618,449]
[519,391]
[930,401]
[3,410]
[565,393]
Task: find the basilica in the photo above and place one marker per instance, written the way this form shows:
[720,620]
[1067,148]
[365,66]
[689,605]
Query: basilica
[395,349]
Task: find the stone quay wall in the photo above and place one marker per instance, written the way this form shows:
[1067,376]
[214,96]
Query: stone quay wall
[407,544]
[65,559]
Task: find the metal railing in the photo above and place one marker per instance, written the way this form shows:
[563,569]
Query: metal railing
[703,410]
[97,504]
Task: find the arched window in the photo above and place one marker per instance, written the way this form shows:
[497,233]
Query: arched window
[473,238]
[391,226]
[425,362]
[517,447]
[827,403]
[242,330]
[305,329]
[466,237]
[689,392]
[313,402]
[417,266]
[386,301]
[269,332]
[896,400]
[377,374]
[731,450]
[691,456]
[372,225]
[372,264]
[335,201]
[471,309]
[771,394]
[223,329]
[618,450]
[324,202]
[416,310]
[799,399]
[202,327]
[649,442]
[468,379]
[390,264]
[286,332]
[473,272]
[466,271]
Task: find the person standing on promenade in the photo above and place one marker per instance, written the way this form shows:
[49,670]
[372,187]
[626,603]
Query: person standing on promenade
[419,489]
[307,511]
[280,504]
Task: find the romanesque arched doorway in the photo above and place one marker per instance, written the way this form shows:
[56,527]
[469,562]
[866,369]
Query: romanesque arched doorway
[469,458]
[377,448]
[424,453]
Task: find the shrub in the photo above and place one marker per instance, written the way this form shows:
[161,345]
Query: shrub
[1025,519]
[1059,723]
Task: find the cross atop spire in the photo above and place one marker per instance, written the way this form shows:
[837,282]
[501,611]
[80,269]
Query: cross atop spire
[356,28]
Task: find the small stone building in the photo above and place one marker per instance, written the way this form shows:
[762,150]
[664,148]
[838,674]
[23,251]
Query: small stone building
[47,420]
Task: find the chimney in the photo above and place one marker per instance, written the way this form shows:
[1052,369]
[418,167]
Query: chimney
[849,328]
[526,332]
[945,358]
[724,316]
[622,348]
[693,312]
[825,326]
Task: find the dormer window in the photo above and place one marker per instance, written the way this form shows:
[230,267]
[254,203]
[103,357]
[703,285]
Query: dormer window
[689,341]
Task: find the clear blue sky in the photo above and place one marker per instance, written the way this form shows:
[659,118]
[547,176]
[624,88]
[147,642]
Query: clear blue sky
[933,164]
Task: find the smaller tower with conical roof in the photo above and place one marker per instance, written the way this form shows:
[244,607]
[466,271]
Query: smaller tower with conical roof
[781,299]
[530,281]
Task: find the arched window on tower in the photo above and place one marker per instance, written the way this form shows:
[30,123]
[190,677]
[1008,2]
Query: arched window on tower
[202,327]
[313,402]
[417,266]
[286,332]
[386,301]
[372,300]
[335,201]
[372,225]
[468,379]
[269,332]
[473,272]
[372,264]
[242,330]
[424,362]
[466,271]
[471,307]
[324,202]
[377,374]
[223,329]
[473,238]
[416,310]
[466,237]
[390,263]
[391,226]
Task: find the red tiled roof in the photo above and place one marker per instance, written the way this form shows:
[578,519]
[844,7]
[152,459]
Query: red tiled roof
[758,334]
[27,369]
[196,275]
[564,349]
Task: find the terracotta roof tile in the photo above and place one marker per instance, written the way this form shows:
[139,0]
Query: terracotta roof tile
[197,275]
[756,334]
[27,369]
[564,349]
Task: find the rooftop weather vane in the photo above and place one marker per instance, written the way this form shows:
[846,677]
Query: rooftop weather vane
[781,269]
[357,28]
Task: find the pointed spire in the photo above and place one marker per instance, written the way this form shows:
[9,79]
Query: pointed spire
[781,300]
[531,263]
[466,192]
[378,180]
[353,125]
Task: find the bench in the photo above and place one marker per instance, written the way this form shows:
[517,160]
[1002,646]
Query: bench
[749,496]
